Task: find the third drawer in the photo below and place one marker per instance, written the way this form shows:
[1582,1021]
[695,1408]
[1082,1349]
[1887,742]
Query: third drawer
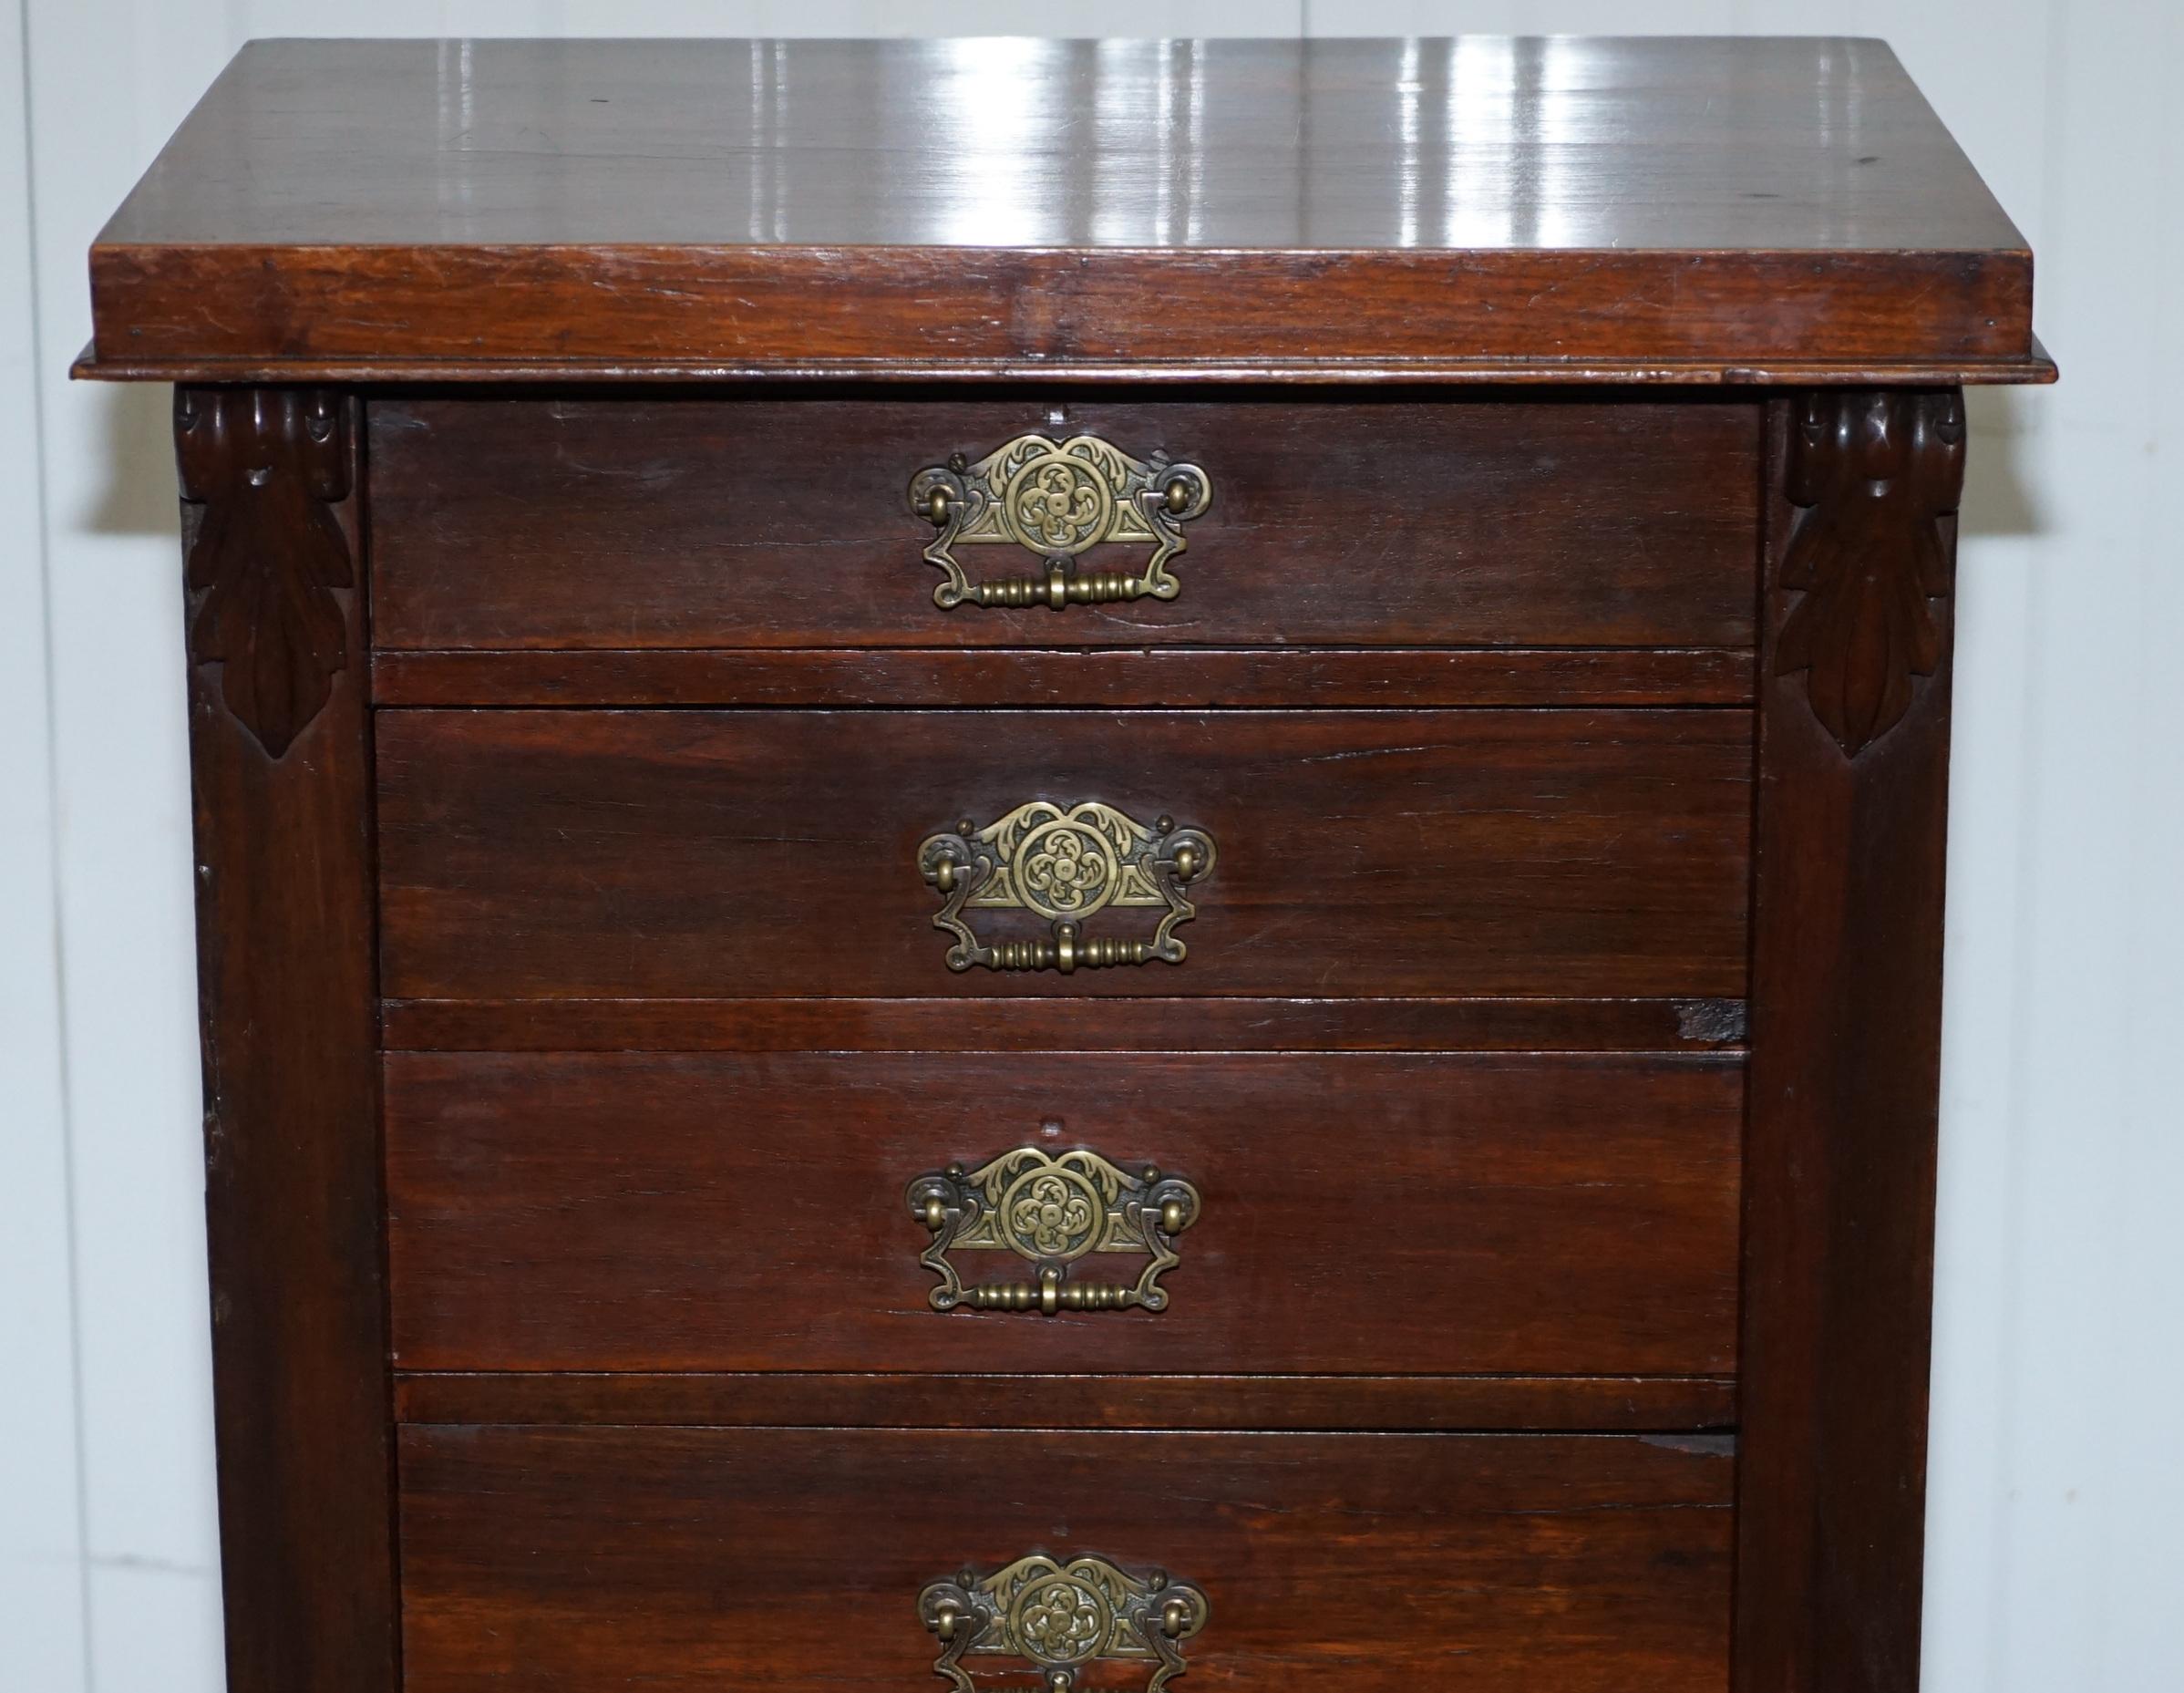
[802,1558]
[1410,1214]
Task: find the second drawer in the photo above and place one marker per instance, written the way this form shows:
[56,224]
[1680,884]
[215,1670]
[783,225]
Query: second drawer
[529,854]
[1417,1214]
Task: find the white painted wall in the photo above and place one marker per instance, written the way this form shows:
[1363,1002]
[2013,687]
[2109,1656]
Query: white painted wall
[2057,1479]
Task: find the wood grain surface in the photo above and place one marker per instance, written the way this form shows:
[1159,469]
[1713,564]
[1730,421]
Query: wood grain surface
[1361,854]
[1123,678]
[794,1558]
[281,767]
[1354,519]
[818,205]
[1195,1025]
[789,1398]
[1518,1216]
[1846,1051]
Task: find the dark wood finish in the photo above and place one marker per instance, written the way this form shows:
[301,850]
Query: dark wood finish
[1042,1025]
[1119,678]
[1368,1213]
[281,760]
[265,471]
[679,523]
[878,305]
[1877,474]
[790,1558]
[1114,677]
[1466,679]
[581,854]
[1546,1404]
[816,204]
[1845,1041]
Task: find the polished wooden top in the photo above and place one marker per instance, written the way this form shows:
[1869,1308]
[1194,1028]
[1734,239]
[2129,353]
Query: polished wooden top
[1484,205]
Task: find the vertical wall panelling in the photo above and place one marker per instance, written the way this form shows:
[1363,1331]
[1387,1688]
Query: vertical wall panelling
[2093,1269]
[1993,85]
[108,81]
[41,1576]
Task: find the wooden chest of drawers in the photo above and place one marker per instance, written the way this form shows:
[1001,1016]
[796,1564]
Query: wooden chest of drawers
[1049,864]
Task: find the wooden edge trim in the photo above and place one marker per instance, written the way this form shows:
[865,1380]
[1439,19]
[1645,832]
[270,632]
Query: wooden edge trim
[2034,367]
[1196,678]
[938,1024]
[1286,1403]
[682,303]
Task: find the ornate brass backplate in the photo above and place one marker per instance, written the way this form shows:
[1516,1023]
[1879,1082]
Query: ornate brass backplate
[1067,864]
[1051,1212]
[1055,499]
[1060,1616]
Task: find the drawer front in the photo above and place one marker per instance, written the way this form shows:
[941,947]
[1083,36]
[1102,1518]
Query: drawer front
[696,1559]
[1562,522]
[1354,1214]
[1334,854]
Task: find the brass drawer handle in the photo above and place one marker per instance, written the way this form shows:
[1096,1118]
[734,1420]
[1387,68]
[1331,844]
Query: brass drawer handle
[1060,1616]
[1056,499]
[1051,1212]
[1067,864]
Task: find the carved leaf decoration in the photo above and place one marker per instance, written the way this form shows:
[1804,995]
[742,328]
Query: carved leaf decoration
[1877,471]
[267,465]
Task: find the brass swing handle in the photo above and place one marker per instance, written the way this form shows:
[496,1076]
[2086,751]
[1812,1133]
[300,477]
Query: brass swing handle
[1059,1615]
[948,1619]
[1055,499]
[1051,1212]
[1067,864]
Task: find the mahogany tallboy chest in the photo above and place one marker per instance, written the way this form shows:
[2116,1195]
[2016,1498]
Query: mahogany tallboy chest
[1033,864]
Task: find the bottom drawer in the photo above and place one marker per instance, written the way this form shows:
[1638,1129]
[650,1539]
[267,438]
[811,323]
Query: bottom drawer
[597,1558]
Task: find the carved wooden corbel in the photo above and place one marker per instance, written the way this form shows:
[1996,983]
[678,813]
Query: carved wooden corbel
[1877,472]
[267,466]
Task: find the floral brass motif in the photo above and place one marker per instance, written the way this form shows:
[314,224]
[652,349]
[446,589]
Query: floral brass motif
[1059,1617]
[1066,864]
[1051,1212]
[1056,499]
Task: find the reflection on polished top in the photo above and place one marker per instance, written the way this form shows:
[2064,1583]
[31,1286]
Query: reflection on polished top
[1735,162]
[1479,141]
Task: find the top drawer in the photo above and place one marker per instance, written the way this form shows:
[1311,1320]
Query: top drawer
[656,523]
